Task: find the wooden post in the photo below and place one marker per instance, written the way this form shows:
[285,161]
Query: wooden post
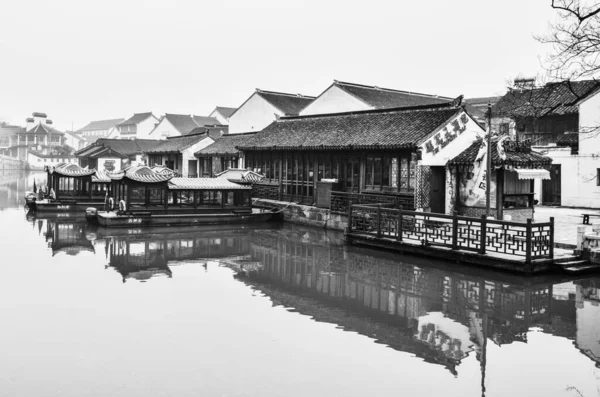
[399,236]
[483,234]
[378,220]
[280,187]
[551,237]
[454,231]
[528,242]
[349,217]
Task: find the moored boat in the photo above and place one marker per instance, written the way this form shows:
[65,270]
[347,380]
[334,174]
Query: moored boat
[150,198]
[72,189]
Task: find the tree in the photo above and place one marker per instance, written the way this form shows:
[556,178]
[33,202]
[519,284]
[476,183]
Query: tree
[575,39]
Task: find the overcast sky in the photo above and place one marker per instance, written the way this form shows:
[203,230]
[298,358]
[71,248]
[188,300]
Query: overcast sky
[79,61]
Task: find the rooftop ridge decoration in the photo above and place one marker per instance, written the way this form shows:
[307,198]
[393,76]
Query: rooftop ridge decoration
[261,91]
[338,82]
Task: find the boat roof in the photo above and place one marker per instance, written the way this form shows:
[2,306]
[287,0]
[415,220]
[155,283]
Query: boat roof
[70,170]
[204,184]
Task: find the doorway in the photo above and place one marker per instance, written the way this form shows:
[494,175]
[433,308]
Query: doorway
[551,187]
[437,190]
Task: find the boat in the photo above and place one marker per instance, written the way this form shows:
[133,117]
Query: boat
[149,197]
[30,199]
[73,189]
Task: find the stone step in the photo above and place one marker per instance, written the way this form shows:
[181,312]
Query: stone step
[572,263]
[581,269]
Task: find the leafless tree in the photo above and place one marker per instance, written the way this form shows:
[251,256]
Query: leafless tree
[575,40]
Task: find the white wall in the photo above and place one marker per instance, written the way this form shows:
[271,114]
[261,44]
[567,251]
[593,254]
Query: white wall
[103,161]
[334,100]
[39,163]
[163,130]
[188,154]
[578,184]
[254,115]
[589,125]
[460,133]
[145,127]
[222,120]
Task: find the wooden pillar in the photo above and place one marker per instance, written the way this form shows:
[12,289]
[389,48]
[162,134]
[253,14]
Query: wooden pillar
[361,182]
[166,198]
[315,162]
[499,193]
[128,201]
[280,190]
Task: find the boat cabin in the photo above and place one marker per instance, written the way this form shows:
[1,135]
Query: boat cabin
[158,191]
[71,182]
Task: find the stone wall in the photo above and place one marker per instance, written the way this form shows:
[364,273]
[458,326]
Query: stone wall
[306,215]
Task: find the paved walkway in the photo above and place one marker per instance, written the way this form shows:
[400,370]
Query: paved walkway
[566,221]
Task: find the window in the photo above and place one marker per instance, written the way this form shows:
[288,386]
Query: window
[504,129]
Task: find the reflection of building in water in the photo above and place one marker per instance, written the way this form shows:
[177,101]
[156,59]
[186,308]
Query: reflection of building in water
[142,256]
[437,314]
[588,318]
[68,236]
[14,184]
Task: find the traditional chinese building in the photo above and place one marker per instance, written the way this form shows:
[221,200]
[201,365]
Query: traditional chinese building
[400,153]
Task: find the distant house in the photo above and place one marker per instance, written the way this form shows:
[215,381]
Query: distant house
[171,125]
[98,129]
[347,97]
[177,153]
[8,134]
[115,154]
[264,107]
[38,135]
[561,120]
[38,160]
[223,154]
[222,114]
[74,140]
[137,126]
[477,107]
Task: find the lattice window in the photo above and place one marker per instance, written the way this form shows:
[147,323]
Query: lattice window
[423,186]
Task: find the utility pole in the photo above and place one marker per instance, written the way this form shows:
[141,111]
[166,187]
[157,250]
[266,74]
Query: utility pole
[488,172]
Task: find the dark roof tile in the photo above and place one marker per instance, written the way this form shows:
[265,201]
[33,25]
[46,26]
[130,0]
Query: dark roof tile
[176,144]
[289,104]
[383,129]
[525,158]
[226,145]
[381,98]
[101,125]
[137,118]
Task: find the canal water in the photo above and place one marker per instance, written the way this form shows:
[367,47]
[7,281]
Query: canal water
[273,311]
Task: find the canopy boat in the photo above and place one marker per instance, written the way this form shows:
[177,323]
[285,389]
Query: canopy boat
[73,189]
[152,197]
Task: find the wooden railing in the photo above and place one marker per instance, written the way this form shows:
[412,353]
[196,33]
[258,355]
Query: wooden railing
[527,241]
[265,191]
[340,201]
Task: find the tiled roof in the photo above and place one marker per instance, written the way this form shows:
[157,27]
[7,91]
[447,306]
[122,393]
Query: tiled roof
[551,99]
[141,174]
[371,129]
[177,144]
[225,145]
[125,147]
[44,129]
[214,131]
[11,130]
[137,118]
[240,175]
[568,140]
[477,107]
[289,104]
[101,125]
[70,169]
[523,158]
[204,120]
[204,184]
[381,98]
[226,112]
[101,177]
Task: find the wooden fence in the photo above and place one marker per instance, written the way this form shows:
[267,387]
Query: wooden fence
[528,241]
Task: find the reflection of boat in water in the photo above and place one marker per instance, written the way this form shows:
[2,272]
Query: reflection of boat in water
[143,253]
[69,236]
[150,198]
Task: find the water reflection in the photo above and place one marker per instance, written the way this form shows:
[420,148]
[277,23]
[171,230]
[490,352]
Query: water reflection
[14,184]
[453,317]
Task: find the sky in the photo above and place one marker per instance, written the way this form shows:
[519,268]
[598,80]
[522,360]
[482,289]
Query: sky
[80,61]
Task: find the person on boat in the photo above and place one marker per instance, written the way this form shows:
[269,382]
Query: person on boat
[52,195]
[122,206]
